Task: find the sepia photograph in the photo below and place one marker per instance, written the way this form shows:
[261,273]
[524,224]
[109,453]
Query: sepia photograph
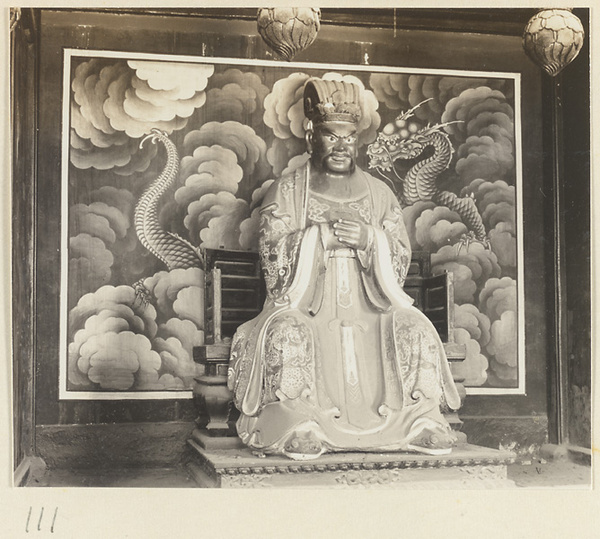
[299,248]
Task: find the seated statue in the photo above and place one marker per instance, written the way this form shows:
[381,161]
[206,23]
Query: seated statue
[338,359]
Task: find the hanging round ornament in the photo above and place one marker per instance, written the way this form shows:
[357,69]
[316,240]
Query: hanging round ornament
[288,30]
[553,38]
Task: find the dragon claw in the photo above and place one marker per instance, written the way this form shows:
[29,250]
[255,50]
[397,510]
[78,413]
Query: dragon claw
[142,294]
[470,237]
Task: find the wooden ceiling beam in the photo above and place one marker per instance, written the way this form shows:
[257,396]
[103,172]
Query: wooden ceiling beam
[489,21]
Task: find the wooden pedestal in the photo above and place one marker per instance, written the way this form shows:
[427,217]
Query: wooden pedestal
[467,466]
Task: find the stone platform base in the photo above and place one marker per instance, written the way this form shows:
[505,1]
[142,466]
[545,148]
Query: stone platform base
[211,443]
[467,467]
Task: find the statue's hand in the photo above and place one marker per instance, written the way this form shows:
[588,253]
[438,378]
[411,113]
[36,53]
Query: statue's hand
[353,234]
[330,241]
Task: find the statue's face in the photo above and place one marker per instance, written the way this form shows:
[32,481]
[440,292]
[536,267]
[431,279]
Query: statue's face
[334,147]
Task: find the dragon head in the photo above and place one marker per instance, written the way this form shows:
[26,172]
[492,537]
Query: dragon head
[402,139]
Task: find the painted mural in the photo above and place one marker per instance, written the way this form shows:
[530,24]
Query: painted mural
[164,158]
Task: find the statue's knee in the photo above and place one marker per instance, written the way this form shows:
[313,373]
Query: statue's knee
[289,354]
[288,336]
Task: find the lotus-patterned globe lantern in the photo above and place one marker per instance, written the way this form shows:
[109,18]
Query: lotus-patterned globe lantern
[553,38]
[288,30]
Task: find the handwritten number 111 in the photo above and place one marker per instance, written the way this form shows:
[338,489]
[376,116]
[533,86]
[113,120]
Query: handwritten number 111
[39,523]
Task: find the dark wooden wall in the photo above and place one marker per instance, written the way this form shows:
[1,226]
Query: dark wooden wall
[423,38]
[576,208]
[24,64]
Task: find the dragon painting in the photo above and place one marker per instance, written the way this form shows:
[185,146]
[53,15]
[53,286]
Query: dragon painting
[402,140]
[173,250]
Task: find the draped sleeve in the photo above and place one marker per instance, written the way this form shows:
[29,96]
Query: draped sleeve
[393,226]
[280,234]
[278,249]
[288,252]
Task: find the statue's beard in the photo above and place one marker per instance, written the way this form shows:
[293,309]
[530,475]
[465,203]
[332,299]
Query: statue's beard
[337,163]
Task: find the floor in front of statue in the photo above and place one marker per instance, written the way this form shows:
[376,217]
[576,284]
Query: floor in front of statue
[534,473]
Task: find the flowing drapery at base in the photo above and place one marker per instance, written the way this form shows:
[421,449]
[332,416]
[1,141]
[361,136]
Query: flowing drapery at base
[339,359]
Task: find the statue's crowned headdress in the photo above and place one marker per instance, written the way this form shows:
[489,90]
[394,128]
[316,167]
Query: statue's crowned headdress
[332,100]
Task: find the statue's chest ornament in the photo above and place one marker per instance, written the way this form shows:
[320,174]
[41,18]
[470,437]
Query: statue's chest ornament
[317,210]
[322,209]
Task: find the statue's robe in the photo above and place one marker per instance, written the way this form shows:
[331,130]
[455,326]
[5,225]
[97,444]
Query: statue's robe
[338,354]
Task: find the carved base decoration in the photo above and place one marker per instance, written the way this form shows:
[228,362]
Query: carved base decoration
[467,466]
[461,477]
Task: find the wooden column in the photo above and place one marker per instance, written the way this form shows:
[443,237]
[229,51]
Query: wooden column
[559,387]
[24,75]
